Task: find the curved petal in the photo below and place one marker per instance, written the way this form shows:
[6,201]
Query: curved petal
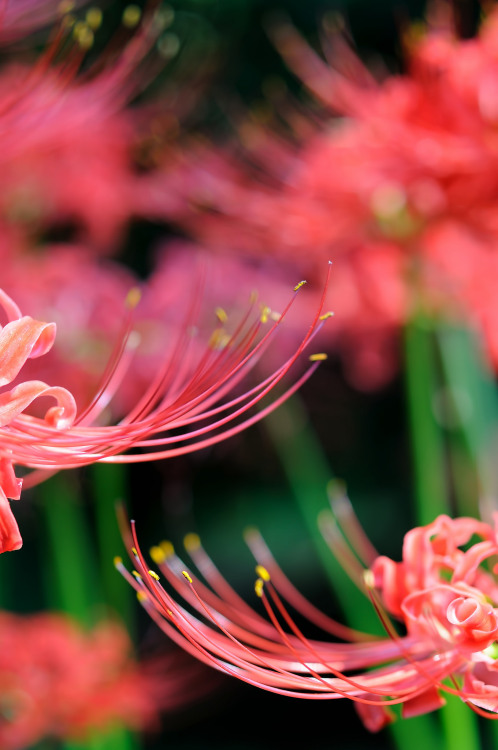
[21,339]
[15,401]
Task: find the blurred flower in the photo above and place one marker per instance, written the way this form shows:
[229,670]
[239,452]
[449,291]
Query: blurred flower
[444,594]
[59,680]
[73,147]
[395,180]
[193,399]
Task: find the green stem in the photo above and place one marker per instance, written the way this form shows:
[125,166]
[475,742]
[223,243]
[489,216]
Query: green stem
[308,474]
[109,485]
[431,492]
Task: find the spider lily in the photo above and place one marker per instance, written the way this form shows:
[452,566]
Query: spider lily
[193,400]
[443,595]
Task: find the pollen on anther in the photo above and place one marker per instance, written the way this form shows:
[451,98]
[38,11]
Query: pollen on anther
[192,542]
[136,575]
[157,554]
[326,315]
[118,561]
[265,312]
[142,596]
[94,18]
[131,16]
[186,575]
[221,315]
[133,297]
[369,579]
[320,357]
[83,34]
[259,586]
[134,550]
[153,575]
[298,286]
[167,549]
[262,572]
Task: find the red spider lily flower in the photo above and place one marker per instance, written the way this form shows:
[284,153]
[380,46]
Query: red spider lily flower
[394,177]
[193,400]
[444,595]
[59,680]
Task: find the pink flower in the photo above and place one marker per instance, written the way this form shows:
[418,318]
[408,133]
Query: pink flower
[59,680]
[393,177]
[194,397]
[444,593]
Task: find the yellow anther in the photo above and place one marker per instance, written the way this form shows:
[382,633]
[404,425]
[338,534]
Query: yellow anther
[219,339]
[167,549]
[157,554]
[118,561]
[298,286]
[131,16]
[259,586]
[262,573]
[136,575]
[221,315]
[133,297]
[94,18]
[142,596]
[83,34]
[318,357]
[153,575]
[326,315]
[192,542]
[369,579]
[186,575]
[134,550]
[265,312]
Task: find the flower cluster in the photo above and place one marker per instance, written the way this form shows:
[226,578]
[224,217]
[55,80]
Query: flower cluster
[444,594]
[395,180]
[59,680]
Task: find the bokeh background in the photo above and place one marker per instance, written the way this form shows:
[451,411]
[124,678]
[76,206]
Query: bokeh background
[213,70]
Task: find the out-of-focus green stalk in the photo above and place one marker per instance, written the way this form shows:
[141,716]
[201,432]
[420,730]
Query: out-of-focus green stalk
[431,492]
[71,577]
[423,384]
[308,474]
[109,485]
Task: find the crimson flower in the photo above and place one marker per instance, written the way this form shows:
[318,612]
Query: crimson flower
[59,680]
[193,399]
[444,596]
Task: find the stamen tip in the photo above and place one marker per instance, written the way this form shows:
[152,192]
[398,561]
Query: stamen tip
[157,554]
[301,283]
[259,586]
[153,575]
[192,542]
[319,357]
[369,579]
[133,297]
[262,572]
[186,575]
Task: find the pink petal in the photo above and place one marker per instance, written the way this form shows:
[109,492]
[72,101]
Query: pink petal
[21,339]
